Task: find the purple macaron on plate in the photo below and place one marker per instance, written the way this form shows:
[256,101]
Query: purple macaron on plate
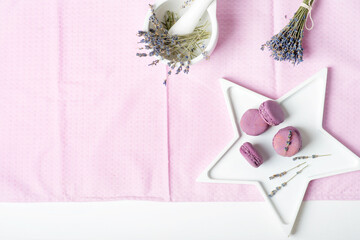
[252,123]
[271,112]
[287,141]
[250,154]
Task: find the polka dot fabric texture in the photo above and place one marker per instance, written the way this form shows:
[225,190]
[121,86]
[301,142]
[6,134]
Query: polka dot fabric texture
[84,119]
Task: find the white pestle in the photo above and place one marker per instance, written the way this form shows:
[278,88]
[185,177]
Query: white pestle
[188,22]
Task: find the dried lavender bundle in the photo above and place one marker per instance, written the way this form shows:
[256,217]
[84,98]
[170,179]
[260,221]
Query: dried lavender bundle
[287,44]
[179,50]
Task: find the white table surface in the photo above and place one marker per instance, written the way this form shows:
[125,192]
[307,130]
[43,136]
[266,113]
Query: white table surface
[127,220]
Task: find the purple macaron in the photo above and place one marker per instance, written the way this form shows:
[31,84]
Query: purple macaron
[251,155]
[271,113]
[252,123]
[287,141]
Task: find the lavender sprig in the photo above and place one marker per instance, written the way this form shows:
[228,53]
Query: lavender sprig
[178,50]
[187,3]
[287,44]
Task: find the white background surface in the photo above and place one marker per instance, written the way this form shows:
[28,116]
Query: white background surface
[127,220]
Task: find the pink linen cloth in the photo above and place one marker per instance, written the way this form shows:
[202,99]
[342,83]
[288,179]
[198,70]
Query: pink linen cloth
[83,119]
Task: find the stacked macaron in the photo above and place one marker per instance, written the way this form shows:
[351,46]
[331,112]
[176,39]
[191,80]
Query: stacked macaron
[256,121]
[286,142]
[252,123]
[271,113]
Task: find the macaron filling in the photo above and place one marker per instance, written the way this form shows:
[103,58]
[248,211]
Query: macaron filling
[265,116]
[271,112]
[250,156]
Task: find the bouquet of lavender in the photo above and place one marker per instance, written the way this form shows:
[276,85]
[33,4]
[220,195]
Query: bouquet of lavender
[287,44]
[178,50]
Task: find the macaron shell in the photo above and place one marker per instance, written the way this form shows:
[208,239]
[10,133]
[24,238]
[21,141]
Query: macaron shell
[271,112]
[251,155]
[280,139]
[252,123]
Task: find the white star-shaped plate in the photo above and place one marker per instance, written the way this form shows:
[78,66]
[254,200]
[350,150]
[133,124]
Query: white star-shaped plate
[303,108]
